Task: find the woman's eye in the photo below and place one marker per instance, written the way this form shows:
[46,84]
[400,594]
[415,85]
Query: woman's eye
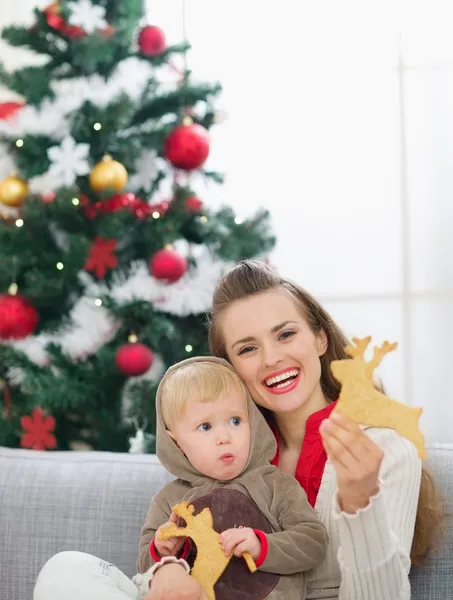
[246,350]
[204,427]
[287,334]
[236,421]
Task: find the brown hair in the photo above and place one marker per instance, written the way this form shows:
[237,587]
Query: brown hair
[251,277]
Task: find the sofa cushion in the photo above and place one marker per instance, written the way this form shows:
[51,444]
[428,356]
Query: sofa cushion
[96,502]
[434,581]
[55,501]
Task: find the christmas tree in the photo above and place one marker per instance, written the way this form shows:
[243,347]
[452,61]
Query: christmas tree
[105,279]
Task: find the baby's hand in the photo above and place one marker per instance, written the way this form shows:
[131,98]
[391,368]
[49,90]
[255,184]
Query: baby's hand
[239,540]
[173,545]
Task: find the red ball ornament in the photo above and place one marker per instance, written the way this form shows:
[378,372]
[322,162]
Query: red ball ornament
[187,146]
[151,41]
[133,359]
[168,265]
[18,317]
[193,204]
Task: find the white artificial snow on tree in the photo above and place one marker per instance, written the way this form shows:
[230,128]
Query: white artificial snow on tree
[69,160]
[192,294]
[6,163]
[86,15]
[51,118]
[32,120]
[92,327]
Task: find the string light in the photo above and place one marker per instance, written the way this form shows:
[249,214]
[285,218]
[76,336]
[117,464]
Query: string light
[13,288]
[188,348]
[132,339]
[19,223]
[19,143]
[238,220]
[156,214]
[75,201]
[98,302]
[97,126]
[60,266]
[204,219]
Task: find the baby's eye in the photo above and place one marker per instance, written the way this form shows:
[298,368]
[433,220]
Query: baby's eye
[204,427]
[235,421]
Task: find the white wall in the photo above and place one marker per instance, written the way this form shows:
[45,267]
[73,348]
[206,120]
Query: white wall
[341,123]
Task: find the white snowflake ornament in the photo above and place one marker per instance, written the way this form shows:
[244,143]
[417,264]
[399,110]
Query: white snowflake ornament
[146,170]
[142,440]
[69,160]
[88,16]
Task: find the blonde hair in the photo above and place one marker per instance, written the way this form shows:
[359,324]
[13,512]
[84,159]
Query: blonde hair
[250,277]
[204,381]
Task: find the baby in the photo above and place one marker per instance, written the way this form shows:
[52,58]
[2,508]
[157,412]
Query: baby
[215,441]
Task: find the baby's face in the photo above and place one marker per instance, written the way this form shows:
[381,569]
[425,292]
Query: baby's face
[215,436]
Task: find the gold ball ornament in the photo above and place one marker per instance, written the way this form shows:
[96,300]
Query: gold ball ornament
[13,191]
[108,174]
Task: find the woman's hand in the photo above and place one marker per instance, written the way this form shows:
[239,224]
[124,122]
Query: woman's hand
[356,459]
[171,582]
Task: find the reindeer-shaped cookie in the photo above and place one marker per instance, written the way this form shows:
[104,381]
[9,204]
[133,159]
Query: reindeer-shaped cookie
[361,402]
[211,561]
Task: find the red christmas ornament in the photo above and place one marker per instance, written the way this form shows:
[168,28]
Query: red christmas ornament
[118,202]
[187,146]
[38,431]
[133,359]
[9,109]
[101,257]
[193,204]
[48,198]
[168,265]
[18,317]
[56,21]
[151,41]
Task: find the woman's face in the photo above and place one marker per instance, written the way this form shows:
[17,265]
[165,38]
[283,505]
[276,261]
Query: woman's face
[275,352]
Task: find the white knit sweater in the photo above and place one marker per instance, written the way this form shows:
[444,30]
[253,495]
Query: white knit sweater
[368,555]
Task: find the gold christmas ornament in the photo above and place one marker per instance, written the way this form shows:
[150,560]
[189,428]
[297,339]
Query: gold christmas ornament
[13,191]
[108,174]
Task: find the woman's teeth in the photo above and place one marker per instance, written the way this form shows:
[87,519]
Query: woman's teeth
[283,380]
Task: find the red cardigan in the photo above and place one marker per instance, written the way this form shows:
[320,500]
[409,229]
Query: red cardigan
[313,457]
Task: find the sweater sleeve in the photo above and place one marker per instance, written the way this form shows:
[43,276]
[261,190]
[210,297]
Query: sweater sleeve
[158,513]
[375,542]
[302,543]
[156,517]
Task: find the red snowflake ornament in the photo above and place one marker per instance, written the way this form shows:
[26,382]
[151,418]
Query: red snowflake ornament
[38,431]
[101,257]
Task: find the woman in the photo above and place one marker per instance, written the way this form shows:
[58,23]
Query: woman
[378,503]
[369,488]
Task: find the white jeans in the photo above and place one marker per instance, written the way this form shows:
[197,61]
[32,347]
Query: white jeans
[80,576]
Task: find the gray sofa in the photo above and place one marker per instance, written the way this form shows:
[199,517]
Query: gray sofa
[96,503]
